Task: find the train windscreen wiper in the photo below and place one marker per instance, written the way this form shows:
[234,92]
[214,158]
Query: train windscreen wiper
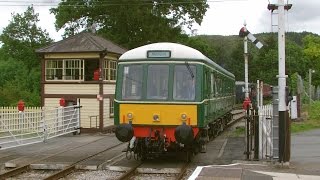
[189,69]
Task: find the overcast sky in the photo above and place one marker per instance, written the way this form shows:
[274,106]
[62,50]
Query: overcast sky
[224,17]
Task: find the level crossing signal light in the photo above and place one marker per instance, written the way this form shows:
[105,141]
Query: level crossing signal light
[244,32]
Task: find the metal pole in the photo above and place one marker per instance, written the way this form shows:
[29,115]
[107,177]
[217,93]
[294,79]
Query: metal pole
[261,93]
[281,81]
[245,43]
[310,78]
[248,133]
[258,93]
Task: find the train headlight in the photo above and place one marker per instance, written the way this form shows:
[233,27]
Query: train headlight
[130,116]
[183,117]
[156,117]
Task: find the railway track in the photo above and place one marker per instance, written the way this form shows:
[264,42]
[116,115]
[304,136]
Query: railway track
[132,173]
[64,172]
[61,173]
[237,115]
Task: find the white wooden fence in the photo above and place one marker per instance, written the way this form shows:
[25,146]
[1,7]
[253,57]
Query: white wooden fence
[35,125]
[265,131]
[12,120]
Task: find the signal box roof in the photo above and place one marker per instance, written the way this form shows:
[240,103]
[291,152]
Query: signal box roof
[83,42]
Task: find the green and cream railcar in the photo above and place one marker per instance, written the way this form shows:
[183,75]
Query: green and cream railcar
[168,94]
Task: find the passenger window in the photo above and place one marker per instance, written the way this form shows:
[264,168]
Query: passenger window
[184,82]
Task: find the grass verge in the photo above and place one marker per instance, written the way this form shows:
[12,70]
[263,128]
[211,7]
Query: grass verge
[238,132]
[311,118]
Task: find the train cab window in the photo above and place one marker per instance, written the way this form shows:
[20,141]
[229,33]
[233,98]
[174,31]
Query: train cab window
[184,82]
[212,88]
[132,82]
[157,83]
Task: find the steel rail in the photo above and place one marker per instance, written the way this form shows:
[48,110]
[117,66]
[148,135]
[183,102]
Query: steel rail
[64,172]
[129,173]
[183,171]
[26,167]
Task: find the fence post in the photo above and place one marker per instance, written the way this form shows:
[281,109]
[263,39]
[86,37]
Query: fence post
[248,130]
[78,116]
[256,135]
[45,132]
[21,116]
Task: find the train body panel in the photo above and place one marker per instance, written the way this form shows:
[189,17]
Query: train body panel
[158,114]
[170,97]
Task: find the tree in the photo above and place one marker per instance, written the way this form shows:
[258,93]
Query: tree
[19,64]
[22,36]
[312,53]
[201,45]
[130,22]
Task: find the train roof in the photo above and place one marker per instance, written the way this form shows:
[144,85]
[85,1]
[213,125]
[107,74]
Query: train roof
[178,51]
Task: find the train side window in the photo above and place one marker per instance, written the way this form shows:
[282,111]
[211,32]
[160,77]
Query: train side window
[217,86]
[132,82]
[207,84]
[184,82]
[212,85]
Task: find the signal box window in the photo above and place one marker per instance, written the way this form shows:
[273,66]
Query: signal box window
[110,70]
[132,82]
[54,69]
[67,69]
[184,82]
[157,84]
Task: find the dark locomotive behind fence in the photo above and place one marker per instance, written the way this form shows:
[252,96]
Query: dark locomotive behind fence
[240,89]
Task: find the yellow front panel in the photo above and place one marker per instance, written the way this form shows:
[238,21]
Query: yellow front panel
[168,114]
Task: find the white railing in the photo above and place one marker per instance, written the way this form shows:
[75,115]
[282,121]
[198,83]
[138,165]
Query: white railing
[265,131]
[29,127]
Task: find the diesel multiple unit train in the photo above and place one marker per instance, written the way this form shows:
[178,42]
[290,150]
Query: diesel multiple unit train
[170,98]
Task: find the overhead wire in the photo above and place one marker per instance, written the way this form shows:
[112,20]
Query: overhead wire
[107,3]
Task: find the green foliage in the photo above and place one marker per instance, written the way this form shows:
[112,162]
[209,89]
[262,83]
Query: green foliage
[312,121]
[312,46]
[130,23]
[293,83]
[263,63]
[238,132]
[19,64]
[312,54]
[201,45]
[22,36]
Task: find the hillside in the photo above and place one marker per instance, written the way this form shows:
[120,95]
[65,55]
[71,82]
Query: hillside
[263,64]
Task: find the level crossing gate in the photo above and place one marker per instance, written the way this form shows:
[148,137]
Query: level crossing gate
[265,114]
[268,125]
[23,128]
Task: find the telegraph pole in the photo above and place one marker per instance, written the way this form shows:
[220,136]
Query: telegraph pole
[284,138]
[310,85]
[282,81]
